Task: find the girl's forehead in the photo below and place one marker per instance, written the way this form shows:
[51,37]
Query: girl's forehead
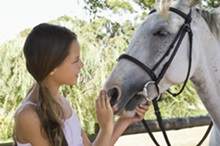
[75,48]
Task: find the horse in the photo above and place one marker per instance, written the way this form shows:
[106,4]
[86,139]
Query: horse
[160,55]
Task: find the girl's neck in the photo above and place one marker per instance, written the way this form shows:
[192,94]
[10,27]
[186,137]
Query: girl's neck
[33,94]
[53,89]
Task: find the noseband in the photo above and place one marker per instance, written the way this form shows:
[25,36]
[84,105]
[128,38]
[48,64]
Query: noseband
[173,48]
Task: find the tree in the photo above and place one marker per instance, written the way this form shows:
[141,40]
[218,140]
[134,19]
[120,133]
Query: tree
[211,3]
[116,6]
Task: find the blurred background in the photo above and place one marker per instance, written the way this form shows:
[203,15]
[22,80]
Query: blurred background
[104,29]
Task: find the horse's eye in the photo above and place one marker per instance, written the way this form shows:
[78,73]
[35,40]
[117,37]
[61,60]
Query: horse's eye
[162,32]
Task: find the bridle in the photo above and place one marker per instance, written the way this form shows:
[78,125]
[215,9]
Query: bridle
[172,50]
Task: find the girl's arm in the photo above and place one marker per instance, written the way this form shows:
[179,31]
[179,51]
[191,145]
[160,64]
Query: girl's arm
[105,119]
[123,122]
[109,133]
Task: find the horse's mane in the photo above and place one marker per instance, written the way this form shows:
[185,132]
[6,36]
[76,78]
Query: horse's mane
[212,18]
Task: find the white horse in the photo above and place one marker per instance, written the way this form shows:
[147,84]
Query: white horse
[151,41]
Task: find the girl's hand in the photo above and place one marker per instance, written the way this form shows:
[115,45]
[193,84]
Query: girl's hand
[140,112]
[104,111]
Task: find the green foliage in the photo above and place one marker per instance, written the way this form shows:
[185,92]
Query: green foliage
[118,5]
[211,3]
[94,6]
[145,4]
[14,84]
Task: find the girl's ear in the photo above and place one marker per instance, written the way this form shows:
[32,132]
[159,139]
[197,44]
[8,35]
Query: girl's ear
[52,72]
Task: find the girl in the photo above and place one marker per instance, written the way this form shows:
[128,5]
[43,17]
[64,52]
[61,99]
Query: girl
[45,117]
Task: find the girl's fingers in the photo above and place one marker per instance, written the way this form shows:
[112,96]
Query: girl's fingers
[98,104]
[148,103]
[140,111]
[140,114]
[103,100]
[144,106]
[99,100]
[107,102]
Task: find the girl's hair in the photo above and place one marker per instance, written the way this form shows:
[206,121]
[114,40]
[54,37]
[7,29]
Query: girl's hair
[45,48]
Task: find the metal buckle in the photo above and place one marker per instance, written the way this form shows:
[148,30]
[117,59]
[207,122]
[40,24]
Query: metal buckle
[150,99]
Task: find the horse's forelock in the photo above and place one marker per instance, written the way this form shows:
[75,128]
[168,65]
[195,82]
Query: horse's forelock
[162,6]
[194,3]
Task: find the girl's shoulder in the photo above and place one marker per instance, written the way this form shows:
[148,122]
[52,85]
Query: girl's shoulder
[27,108]
[26,113]
[26,121]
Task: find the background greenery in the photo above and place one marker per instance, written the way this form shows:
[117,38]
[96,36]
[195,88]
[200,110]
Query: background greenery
[102,41]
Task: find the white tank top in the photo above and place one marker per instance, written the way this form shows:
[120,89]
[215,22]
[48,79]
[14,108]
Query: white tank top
[71,130]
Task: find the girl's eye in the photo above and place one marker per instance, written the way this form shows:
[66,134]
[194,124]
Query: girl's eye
[75,61]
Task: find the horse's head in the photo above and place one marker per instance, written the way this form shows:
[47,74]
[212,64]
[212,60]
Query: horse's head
[129,84]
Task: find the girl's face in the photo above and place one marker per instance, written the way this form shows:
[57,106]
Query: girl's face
[68,72]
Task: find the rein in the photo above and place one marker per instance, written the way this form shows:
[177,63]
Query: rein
[185,28]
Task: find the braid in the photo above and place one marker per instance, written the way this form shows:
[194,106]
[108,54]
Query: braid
[51,115]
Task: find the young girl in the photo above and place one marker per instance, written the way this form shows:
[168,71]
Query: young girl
[45,117]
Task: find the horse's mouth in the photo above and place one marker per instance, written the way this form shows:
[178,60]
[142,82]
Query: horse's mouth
[128,106]
[124,102]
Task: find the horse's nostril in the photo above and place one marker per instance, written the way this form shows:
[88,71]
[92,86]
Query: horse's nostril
[113,93]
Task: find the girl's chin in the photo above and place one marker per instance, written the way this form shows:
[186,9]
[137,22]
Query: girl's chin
[72,83]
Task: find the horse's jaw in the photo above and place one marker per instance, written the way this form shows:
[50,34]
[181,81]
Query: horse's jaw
[128,109]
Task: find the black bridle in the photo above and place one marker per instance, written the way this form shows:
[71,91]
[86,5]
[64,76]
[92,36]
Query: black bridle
[172,50]
[185,28]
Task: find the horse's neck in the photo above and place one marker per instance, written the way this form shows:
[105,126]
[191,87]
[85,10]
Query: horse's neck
[206,79]
[206,76]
